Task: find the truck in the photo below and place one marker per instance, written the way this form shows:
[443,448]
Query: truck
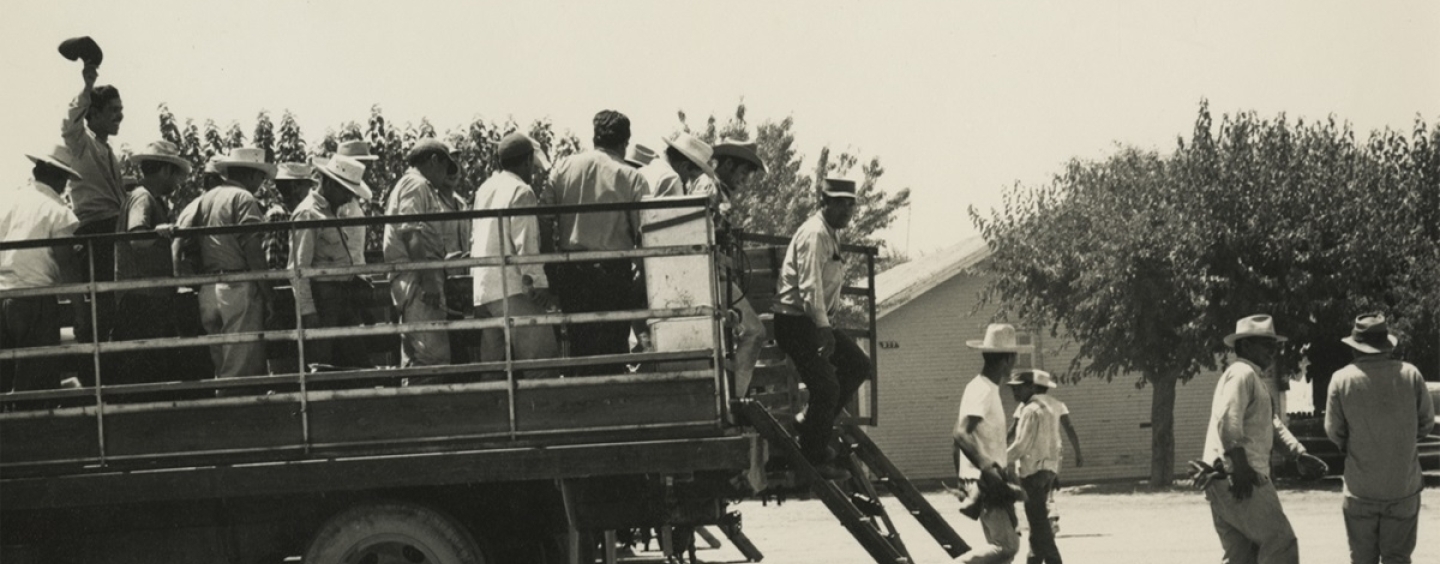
[463,463]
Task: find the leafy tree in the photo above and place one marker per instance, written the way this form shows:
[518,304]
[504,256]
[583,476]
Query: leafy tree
[264,137]
[290,147]
[1146,261]
[234,137]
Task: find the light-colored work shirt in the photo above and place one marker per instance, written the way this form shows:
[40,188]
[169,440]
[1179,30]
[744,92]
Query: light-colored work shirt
[1377,409]
[662,178]
[32,211]
[148,258]
[597,176]
[414,195]
[1037,438]
[99,193]
[454,235]
[811,277]
[1242,414]
[227,204]
[316,248]
[982,399]
[504,190]
[354,234]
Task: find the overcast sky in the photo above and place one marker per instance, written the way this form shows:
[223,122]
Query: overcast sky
[958,99]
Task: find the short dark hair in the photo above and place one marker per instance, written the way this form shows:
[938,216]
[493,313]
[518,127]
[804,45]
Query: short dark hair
[993,359]
[101,97]
[612,129]
[512,161]
[149,167]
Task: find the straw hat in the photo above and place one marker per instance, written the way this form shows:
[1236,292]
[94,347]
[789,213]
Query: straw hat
[1254,326]
[639,155]
[1032,376]
[58,157]
[743,151]
[245,157]
[699,152]
[1000,337]
[163,151]
[1371,335]
[839,188]
[358,150]
[349,172]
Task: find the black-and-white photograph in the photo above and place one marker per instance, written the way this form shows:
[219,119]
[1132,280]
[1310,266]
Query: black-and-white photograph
[810,282]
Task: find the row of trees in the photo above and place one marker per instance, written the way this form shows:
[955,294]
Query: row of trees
[775,203]
[1146,260]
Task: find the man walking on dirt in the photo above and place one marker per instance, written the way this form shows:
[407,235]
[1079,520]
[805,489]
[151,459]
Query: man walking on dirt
[1378,409]
[1035,454]
[980,453]
[1243,428]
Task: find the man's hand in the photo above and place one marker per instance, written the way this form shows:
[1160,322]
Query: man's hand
[1202,474]
[1310,466]
[543,299]
[1243,478]
[827,342]
[90,73]
[166,230]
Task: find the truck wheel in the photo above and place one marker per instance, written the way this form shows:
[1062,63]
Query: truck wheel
[393,533]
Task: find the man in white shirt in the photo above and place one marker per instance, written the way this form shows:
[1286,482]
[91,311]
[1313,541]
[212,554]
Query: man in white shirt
[1035,455]
[980,453]
[35,211]
[520,289]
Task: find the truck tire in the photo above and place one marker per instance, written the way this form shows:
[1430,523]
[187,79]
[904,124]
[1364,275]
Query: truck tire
[393,533]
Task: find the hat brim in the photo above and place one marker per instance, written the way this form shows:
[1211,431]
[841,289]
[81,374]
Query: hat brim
[980,346]
[267,168]
[1230,339]
[177,161]
[704,165]
[55,163]
[360,189]
[1372,349]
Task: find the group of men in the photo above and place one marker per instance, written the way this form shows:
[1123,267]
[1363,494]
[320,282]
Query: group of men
[78,189]
[1377,410]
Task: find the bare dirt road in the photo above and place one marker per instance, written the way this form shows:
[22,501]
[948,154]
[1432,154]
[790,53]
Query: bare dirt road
[1111,524]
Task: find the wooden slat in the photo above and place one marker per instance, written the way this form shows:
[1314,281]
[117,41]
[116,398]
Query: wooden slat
[416,416]
[60,437]
[218,427]
[614,404]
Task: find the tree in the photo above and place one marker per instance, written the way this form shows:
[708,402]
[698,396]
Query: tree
[290,146]
[1146,261]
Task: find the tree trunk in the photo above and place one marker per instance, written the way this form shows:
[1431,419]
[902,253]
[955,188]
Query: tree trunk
[1162,429]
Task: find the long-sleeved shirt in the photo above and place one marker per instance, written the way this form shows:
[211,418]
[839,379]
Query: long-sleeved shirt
[1377,409]
[317,248]
[597,176]
[811,276]
[148,258]
[227,204]
[1242,414]
[99,193]
[354,234]
[32,211]
[414,195]
[1037,439]
[505,190]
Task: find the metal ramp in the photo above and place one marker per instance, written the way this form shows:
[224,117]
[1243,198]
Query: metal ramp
[860,512]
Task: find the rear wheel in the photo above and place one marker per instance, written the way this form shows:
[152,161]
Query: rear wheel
[393,533]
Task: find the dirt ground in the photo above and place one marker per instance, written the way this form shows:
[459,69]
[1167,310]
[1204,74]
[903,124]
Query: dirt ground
[1101,524]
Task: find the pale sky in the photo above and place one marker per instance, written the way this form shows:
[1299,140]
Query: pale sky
[958,99]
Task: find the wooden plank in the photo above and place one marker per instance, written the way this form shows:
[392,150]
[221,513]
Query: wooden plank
[380,418]
[352,474]
[615,404]
[258,424]
[49,438]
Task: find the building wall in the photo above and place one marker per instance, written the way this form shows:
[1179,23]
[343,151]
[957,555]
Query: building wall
[923,375]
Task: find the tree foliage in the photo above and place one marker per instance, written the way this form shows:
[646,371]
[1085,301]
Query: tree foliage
[1147,260]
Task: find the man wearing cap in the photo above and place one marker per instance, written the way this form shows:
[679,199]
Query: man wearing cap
[1242,431]
[419,295]
[519,289]
[1377,411]
[233,307]
[35,211]
[1035,457]
[596,176]
[808,293]
[979,447]
[147,313]
[98,194]
[328,301]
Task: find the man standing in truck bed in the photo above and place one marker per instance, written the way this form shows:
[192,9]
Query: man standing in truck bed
[807,294]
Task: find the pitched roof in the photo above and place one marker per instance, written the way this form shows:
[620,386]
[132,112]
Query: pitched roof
[900,285]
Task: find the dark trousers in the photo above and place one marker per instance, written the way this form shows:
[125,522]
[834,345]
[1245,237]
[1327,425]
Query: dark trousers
[1037,513]
[587,287]
[29,322]
[144,316]
[832,382]
[338,304]
[104,256]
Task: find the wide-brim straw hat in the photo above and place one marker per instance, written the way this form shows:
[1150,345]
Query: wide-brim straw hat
[1032,376]
[699,152]
[246,157]
[358,150]
[1000,337]
[1260,325]
[743,151]
[58,157]
[1371,334]
[163,151]
[349,172]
